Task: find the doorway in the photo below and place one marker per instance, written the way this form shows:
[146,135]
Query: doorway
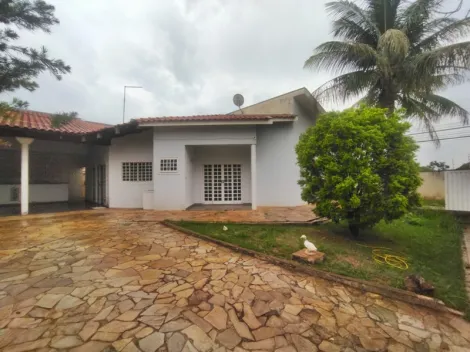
[98,184]
[222,184]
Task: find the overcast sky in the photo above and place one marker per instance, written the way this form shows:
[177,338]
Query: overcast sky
[190,56]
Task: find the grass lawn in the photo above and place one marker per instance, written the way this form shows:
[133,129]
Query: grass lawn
[441,203]
[429,239]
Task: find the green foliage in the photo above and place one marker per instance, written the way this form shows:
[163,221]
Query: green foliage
[60,119]
[396,53]
[412,219]
[10,110]
[20,65]
[358,165]
[438,166]
[425,168]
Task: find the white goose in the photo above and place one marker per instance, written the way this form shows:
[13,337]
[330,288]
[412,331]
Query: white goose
[308,245]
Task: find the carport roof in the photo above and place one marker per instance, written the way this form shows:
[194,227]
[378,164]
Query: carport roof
[40,121]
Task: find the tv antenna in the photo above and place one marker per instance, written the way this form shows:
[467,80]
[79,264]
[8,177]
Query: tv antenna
[238,100]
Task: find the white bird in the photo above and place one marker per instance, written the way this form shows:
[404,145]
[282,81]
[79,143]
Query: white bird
[225,228]
[309,245]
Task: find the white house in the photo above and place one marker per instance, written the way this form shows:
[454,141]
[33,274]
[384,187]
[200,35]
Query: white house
[165,163]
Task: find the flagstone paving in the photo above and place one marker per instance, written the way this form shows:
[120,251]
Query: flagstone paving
[104,282]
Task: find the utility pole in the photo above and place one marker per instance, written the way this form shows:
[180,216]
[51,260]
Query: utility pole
[124,102]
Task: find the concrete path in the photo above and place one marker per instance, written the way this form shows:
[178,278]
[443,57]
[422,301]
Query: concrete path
[262,214]
[106,283]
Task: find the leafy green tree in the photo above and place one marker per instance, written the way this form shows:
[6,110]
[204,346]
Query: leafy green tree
[438,166]
[396,53]
[20,65]
[358,165]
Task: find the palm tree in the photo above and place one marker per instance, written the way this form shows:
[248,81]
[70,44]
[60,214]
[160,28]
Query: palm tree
[396,53]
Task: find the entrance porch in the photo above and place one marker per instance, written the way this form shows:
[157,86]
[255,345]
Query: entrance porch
[220,177]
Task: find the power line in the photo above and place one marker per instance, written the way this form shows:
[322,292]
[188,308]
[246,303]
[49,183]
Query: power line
[443,139]
[444,129]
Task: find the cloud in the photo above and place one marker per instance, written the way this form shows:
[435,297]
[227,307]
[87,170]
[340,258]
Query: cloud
[190,56]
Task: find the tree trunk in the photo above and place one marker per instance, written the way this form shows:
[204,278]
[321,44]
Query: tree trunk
[354,229]
[353,223]
[388,97]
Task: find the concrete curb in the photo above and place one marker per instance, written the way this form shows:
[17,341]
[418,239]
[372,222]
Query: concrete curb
[358,284]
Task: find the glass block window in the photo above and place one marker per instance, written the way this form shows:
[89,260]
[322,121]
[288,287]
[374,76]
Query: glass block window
[137,171]
[168,165]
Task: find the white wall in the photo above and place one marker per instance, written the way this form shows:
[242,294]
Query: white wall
[170,190]
[131,148]
[38,193]
[277,170]
[220,155]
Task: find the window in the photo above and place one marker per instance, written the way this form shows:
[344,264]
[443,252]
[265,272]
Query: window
[139,171]
[168,165]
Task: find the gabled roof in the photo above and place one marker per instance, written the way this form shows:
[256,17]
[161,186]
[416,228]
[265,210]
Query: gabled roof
[40,121]
[215,118]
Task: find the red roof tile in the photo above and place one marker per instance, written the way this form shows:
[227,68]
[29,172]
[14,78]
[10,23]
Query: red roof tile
[244,117]
[41,121]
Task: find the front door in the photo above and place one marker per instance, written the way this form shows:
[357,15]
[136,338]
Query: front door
[222,183]
[98,184]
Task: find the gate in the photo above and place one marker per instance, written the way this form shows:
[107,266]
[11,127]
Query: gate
[457,186]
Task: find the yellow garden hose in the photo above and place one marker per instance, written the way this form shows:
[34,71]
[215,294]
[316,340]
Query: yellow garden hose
[383,255]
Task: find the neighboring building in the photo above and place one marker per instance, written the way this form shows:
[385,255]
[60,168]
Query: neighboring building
[165,163]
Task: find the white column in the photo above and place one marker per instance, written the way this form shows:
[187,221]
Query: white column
[25,142]
[254,190]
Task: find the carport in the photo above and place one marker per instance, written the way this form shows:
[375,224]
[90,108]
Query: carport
[44,166]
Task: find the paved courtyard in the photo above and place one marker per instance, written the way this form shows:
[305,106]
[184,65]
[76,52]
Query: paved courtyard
[104,282]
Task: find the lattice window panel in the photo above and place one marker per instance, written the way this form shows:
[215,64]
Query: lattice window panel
[217,183]
[208,183]
[237,182]
[168,165]
[137,171]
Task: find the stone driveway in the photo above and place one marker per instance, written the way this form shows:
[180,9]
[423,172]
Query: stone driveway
[104,282]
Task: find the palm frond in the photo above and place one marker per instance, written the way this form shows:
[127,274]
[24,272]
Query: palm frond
[383,13]
[349,30]
[421,113]
[348,9]
[445,107]
[425,64]
[346,86]
[412,19]
[337,57]
[454,31]
[371,97]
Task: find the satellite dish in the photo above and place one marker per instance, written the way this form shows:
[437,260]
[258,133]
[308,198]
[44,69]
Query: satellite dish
[238,100]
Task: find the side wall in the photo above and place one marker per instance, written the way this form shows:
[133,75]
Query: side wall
[433,186]
[130,148]
[277,170]
[172,190]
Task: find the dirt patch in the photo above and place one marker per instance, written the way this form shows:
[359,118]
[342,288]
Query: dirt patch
[351,260]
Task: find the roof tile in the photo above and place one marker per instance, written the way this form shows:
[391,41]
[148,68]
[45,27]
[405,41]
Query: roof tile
[42,122]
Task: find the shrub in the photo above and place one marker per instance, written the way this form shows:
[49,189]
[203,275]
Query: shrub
[357,165]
